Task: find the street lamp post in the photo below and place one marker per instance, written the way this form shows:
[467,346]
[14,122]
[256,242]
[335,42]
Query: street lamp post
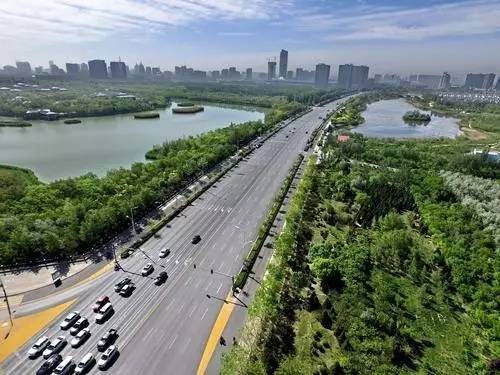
[132,219]
[8,307]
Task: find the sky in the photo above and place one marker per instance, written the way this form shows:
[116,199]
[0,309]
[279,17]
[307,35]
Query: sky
[403,36]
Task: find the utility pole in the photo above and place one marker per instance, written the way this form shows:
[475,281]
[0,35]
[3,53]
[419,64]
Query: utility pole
[132,218]
[8,307]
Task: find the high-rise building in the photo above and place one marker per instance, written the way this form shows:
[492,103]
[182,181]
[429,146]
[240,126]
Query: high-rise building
[215,74]
[39,70]
[353,76]
[497,87]
[479,81]
[84,68]
[156,71]
[289,74]
[118,70]
[322,76]
[304,75]
[271,70]
[445,82]
[72,69]
[345,76]
[98,69]
[23,67]
[248,75]
[139,69]
[489,80]
[429,81]
[359,76]
[283,63]
[148,70]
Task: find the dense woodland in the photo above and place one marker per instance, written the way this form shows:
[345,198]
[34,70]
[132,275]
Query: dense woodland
[389,264]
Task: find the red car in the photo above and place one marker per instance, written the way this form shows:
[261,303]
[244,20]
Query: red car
[100,303]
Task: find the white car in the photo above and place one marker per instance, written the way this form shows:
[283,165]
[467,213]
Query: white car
[78,326]
[107,357]
[148,268]
[70,319]
[85,364]
[80,338]
[55,346]
[38,347]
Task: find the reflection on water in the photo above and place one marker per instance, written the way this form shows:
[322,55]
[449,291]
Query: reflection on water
[384,119]
[55,150]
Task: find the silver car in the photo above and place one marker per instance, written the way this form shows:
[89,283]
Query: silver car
[80,338]
[85,364]
[107,357]
[70,319]
[38,347]
[55,346]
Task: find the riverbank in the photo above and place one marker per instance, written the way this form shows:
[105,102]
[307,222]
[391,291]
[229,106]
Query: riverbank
[14,124]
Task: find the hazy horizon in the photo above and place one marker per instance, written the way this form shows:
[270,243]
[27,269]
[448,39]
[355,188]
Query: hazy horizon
[403,37]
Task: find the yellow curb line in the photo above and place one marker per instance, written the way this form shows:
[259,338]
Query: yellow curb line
[26,327]
[216,333]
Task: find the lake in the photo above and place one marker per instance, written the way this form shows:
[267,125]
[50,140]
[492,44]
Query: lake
[54,150]
[384,119]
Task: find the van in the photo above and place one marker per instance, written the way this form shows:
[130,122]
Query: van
[65,367]
[104,313]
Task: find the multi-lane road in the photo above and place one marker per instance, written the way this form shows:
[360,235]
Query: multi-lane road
[163,329]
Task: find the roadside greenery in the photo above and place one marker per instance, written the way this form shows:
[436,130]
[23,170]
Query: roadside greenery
[387,265]
[69,216]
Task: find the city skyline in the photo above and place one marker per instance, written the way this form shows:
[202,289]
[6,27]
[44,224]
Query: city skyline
[388,36]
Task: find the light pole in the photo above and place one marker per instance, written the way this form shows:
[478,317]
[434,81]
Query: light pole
[8,307]
[132,220]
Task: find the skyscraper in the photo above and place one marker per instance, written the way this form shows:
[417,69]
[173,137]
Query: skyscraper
[479,81]
[353,76]
[322,76]
[345,76]
[283,63]
[271,70]
[118,70]
[23,67]
[488,81]
[497,87]
[445,82]
[98,69]
[72,69]
[289,74]
[249,74]
[84,68]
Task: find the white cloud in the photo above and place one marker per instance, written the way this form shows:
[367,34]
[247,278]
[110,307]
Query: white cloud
[395,23]
[39,22]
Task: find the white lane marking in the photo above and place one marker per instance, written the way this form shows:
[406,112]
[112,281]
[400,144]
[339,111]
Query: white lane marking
[180,308]
[192,311]
[172,342]
[218,289]
[187,344]
[188,280]
[205,313]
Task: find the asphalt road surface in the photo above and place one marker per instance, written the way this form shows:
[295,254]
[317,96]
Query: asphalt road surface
[163,329]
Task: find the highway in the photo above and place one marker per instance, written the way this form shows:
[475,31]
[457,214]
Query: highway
[163,329]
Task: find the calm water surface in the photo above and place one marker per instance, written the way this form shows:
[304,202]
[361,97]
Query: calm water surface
[55,150]
[383,119]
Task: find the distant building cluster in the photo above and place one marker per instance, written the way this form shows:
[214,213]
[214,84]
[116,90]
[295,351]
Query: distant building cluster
[477,86]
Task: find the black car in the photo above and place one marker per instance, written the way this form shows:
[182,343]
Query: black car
[106,340]
[122,283]
[196,239]
[161,278]
[49,365]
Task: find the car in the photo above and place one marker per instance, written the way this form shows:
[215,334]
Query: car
[127,290]
[107,357]
[101,301]
[66,367]
[85,364]
[70,319]
[148,268]
[104,313]
[161,278]
[196,239]
[80,338]
[38,347]
[164,253]
[79,325]
[106,340]
[55,346]
[49,365]
[121,284]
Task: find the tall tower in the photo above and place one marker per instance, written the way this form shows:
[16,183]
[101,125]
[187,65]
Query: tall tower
[271,69]
[283,63]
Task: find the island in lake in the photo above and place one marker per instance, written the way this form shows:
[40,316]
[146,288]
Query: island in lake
[142,116]
[73,121]
[187,108]
[416,117]
[14,124]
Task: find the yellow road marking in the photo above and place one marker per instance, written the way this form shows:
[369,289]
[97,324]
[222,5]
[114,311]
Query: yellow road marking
[26,327]
[216,333]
